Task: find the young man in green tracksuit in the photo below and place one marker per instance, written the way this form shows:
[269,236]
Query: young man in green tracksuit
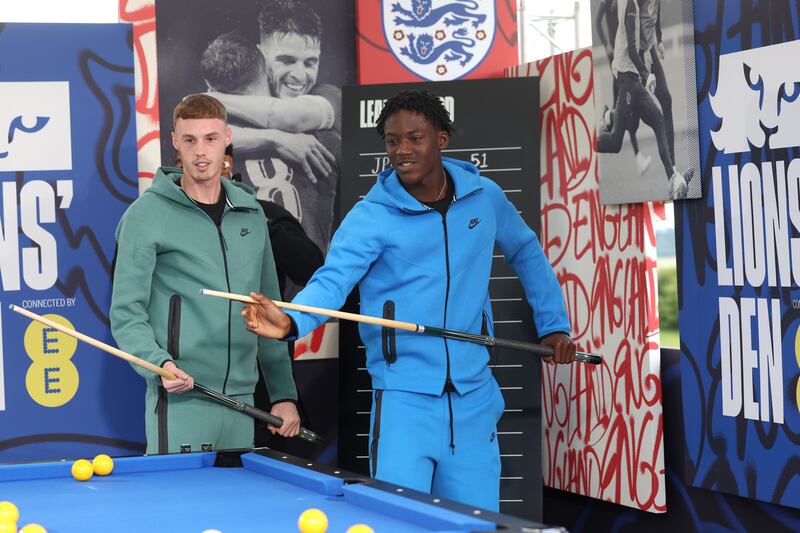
[191,230]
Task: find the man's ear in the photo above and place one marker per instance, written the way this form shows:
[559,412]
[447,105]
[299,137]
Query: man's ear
[174,141]
[444,140]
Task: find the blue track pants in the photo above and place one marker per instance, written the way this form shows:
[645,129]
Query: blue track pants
[415,443]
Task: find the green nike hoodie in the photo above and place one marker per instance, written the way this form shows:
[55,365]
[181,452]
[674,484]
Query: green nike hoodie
[168,250]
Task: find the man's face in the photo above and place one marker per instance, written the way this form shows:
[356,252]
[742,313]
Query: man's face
[414,147]
[292,63]
[200,143]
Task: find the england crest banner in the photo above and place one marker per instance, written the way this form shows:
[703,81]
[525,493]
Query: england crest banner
[435,40]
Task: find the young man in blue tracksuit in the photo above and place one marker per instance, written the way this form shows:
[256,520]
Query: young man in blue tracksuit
[420,248]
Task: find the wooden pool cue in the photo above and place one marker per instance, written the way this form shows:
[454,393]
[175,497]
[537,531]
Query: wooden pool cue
[233,403]
[538,349]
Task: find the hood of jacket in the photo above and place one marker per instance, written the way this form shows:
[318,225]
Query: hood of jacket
[165,185]
[390,192]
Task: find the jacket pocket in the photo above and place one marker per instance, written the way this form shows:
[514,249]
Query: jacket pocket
[388,341]
[376,433]
[174,326]
[161,420]
[173,349]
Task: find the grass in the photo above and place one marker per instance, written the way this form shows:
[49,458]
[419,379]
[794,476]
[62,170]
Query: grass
[668,302]
[670,338]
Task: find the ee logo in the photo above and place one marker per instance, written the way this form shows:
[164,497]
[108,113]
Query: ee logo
[52,379]
[797,356]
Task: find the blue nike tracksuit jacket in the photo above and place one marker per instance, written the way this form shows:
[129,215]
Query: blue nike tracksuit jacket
[424,268]
[413,264]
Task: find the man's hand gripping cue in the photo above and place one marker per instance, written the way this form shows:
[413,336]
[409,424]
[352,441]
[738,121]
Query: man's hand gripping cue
[265,318]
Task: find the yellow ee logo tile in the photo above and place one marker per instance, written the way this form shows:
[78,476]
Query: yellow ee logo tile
[52,379]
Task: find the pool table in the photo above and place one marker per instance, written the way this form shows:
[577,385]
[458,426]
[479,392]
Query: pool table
[248,491]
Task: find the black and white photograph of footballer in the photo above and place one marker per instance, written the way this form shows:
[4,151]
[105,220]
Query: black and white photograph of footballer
[645,97]
[278,67]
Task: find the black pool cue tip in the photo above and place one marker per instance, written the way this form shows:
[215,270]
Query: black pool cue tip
[538,349]
[254,412]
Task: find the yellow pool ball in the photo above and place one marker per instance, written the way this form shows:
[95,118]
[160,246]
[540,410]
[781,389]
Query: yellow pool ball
[360,528]
[313,521]
[82,470]
[34,528]
[7,525]
[103,465]
[9,510]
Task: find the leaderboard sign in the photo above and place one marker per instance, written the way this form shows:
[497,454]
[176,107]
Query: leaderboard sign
[67,173]
[740,259]
[499,136]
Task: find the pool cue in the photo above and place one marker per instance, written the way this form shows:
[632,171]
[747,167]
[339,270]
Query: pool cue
[233,403]
[537,349]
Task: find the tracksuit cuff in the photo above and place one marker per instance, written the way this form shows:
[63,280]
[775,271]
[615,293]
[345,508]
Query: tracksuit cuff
[292,335]
[273,404]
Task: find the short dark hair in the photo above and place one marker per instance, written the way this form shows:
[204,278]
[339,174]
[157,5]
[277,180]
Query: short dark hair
[199,106]
[423,102]
[289,16]
[231,63]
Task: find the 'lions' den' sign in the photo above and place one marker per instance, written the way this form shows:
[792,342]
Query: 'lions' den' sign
[739,260]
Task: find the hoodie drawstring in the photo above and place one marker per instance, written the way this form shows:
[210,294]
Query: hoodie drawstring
[449,389]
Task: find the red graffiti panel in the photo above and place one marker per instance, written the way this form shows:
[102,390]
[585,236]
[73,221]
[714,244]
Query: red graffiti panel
[142,15]
[602,425]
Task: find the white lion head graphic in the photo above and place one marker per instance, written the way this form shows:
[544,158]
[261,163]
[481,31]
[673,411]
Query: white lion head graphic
[757,99]
[35,128]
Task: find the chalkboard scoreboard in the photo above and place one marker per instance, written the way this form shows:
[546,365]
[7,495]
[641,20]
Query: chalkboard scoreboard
[496,127]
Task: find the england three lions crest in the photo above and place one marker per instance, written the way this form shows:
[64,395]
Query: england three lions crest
[439,39]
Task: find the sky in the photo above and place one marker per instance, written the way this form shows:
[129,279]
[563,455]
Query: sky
[535,19]
[95,11]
